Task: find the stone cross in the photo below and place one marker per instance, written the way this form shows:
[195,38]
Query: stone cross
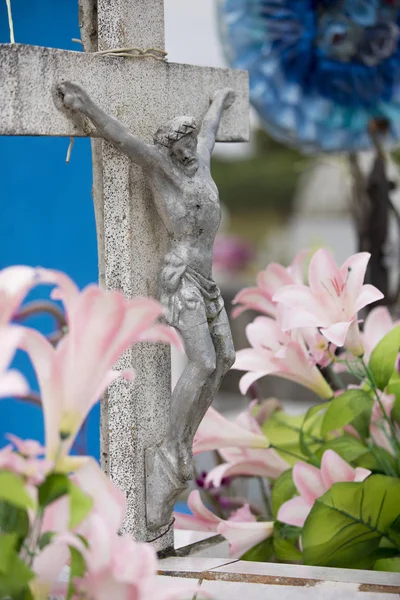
[142,93]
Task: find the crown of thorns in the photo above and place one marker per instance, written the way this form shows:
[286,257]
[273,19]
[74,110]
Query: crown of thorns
[174,130]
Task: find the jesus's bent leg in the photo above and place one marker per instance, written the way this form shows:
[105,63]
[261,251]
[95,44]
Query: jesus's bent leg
[186,408]
[221,336]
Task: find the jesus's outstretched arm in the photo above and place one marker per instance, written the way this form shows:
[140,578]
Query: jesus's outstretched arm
[76,99]
[221,100]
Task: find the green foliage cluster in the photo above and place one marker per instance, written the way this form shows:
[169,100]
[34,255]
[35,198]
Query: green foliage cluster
[20,536]
[354,524]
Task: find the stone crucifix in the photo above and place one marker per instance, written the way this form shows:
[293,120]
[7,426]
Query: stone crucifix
[157,213]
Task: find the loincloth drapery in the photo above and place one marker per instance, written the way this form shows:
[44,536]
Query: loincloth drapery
[189,297]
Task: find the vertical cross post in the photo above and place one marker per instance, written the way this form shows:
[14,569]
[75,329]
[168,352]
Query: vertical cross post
[132,417]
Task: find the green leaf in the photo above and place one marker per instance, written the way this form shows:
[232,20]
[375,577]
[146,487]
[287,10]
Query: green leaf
[286,538]
[77,570]
[16,579]
[343,409]
[14,520]
[8,542]
[347,446]
[378,461]
[283,431]
[361,424]
[46,539]
[55,486]
[80,505]
[283,489]
[383,358]
[12,490]
[310,427]
[346,525]
[388,564]
[262,552]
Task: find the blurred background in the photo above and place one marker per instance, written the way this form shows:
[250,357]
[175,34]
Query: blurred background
[275,200]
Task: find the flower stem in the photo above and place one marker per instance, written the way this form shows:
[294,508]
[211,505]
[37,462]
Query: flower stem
[394,441]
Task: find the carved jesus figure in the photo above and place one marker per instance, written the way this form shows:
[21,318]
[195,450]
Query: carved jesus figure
[177,167]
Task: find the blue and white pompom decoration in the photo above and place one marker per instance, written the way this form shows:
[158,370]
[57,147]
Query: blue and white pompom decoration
[320,70]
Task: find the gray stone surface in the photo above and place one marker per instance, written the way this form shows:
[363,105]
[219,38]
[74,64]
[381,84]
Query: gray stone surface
[141,93]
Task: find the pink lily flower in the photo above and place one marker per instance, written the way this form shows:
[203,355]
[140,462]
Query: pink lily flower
[27,448]
[241,530]
[15,282]
[117,567]
[377,324]
[311,483]
[31,468]
[245,461]
[12,382]
[332,300]
[242,536]
[269,281]
[276,353]
[217,432]
[73,376]
[202,518]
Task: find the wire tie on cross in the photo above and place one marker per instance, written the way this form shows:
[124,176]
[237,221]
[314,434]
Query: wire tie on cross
[155,53]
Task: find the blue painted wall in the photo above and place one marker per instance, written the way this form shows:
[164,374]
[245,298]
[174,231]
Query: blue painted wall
[46,211]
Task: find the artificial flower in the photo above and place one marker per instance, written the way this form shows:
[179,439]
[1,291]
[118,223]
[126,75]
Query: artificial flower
[73,376]
[245,460]
[311,483]
[332,300]
[274,277]
[15,282]
[12,382]
[274,352]
[216,432]
[241,530]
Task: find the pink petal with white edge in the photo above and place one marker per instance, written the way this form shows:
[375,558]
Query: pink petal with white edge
[216,432]
[244,536]
[162,334]
[108,500]
[263,332]
[243,515]
[308,481]
[335,469]
[297,268]
[337,333]
[255,299]
[361,474]
[353,274]
[193,523]
[13,384]
[377,324]
[247,380]
[197,507]
[273,278]
[268,464]
[66,290]
[30,448]
[368,295]
[251,359]
[322,269]
[294,511]
[10,338]
[301,299]
[15,282]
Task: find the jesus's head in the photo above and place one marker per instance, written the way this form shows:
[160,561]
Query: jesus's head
[179,136]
